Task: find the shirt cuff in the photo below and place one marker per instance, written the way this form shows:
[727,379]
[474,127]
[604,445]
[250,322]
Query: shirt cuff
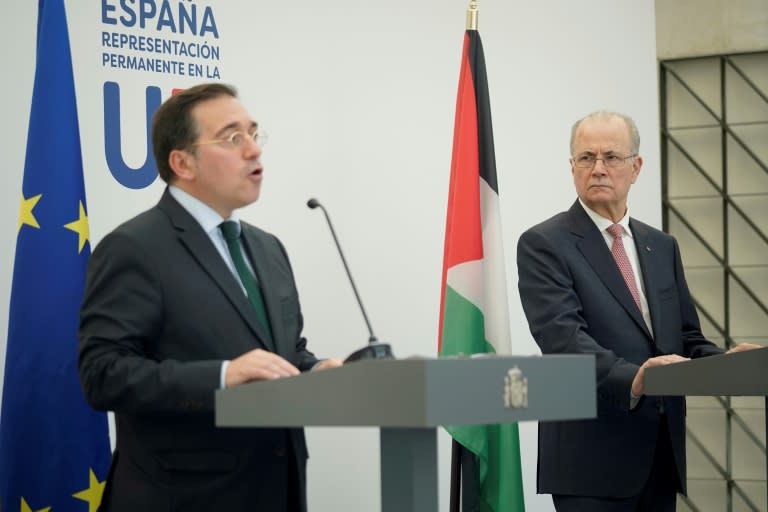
[223,375]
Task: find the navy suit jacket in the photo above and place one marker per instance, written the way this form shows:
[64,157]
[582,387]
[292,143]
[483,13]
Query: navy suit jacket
[577,302]
[161,312]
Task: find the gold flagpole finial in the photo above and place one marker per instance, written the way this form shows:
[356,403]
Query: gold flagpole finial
[472,15]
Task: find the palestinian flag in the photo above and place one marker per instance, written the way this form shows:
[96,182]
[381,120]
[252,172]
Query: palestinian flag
[473,311]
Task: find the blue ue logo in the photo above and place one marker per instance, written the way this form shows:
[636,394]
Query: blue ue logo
[127,176]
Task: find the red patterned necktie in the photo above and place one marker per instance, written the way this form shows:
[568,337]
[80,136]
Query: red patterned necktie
[622,261]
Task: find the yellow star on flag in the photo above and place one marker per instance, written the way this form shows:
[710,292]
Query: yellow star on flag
[25,211]
[93,493]
[26,508]
[80,226]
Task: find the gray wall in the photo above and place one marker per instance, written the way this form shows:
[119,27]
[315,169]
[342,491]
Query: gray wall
[687,28]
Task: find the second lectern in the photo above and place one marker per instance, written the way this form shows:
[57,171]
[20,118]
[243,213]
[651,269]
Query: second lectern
[738,374]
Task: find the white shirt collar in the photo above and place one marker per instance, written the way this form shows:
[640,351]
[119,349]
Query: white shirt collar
[206,216]
[603,223]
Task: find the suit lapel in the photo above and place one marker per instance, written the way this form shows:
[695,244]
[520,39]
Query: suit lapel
[256,250]
[592,245]
[199,245]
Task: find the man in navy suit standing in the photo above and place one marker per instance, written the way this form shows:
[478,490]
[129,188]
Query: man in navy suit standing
[183,300]
[593,280]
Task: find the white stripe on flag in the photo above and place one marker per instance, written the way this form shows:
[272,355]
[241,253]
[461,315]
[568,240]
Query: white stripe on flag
[496,305]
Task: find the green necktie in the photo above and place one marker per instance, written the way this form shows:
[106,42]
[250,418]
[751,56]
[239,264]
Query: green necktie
[231,234]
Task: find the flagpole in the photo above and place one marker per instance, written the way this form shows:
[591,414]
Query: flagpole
[457,449]
[455,500]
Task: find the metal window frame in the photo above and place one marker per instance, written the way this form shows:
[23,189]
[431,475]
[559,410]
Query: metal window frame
[729,207]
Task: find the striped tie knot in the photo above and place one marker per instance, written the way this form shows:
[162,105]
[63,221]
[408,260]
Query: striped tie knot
[615,230]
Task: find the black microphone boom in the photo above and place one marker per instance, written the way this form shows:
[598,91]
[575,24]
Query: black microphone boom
[375,349]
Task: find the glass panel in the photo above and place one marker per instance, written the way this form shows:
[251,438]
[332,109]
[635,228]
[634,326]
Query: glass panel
[705,216]
[754,136]
[745,175]
[704,149]
[747,245]
[748,318]
[706,286]
[748,458]
[685,180]
[755,492]
[708,495]
[755,66]
[702,76]
[708,426]
[748,402]
[702,402]
[744,104]
[692,250]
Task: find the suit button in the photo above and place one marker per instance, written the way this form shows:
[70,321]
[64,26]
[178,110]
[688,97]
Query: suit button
[279,451]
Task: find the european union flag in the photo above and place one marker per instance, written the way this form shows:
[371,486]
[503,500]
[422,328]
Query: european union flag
[54,449]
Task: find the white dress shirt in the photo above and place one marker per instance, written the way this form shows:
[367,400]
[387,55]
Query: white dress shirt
[628,239]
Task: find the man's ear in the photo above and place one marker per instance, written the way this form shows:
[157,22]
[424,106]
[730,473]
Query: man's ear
[181,163]
[637,164]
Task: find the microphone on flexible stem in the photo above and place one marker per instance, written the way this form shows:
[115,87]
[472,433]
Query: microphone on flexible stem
[375,349]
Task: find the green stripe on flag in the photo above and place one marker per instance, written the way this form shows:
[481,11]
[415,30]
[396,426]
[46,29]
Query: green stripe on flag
[496,446]
[498,450]
[463,326]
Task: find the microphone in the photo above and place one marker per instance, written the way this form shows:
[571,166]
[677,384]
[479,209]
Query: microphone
[375,349]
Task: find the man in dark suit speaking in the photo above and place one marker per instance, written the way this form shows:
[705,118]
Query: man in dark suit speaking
[594,281]
[185,299]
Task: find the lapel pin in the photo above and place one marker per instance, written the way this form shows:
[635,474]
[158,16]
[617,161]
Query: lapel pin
[647,248]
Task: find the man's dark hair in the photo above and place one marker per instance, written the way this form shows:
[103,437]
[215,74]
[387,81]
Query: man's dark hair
[173,126]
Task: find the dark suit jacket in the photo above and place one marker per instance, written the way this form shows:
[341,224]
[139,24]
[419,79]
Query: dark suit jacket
[161,312]
[576,301]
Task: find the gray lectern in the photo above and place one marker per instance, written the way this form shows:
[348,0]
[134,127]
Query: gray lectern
[409,398]
[738,374]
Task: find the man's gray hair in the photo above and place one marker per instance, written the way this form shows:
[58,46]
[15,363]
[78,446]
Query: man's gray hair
[634,135]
